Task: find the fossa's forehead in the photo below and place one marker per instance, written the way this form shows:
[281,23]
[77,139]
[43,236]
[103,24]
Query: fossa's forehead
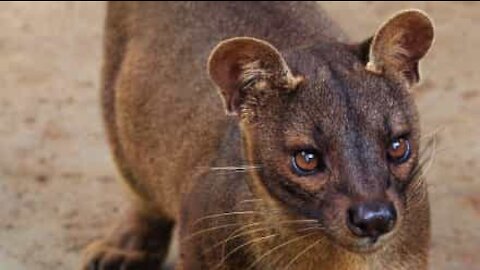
[348,91]
[339,75]
[346,101]
[339,93]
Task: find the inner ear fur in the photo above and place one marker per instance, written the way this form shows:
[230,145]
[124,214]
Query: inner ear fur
[239,63]
[399,44]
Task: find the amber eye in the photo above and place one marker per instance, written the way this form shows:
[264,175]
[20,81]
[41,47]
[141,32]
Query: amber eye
[399,150]
[305,162]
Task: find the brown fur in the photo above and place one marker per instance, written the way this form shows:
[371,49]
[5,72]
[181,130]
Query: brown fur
[226,181]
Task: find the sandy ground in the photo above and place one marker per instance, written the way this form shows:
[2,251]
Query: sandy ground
[57,179]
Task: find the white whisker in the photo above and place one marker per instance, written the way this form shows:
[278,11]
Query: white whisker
[301,253]
[278,247]
[235,168]
[259,239]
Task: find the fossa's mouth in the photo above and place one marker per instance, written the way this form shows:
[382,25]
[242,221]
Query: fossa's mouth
[367,244]
[364,245]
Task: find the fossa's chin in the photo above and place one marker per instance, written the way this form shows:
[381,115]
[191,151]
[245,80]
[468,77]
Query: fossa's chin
[365,245]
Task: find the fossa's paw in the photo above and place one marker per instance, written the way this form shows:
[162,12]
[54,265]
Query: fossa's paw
[139,242]
[100,256]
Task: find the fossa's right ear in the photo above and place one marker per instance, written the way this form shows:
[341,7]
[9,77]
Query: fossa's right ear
[243,64]
[399,44]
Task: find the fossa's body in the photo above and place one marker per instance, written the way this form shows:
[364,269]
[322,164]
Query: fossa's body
[223,179]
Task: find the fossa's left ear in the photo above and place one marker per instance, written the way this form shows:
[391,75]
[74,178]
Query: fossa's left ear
[399,44]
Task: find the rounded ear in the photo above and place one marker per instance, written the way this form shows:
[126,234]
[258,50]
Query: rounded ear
[240,64]
[400,43]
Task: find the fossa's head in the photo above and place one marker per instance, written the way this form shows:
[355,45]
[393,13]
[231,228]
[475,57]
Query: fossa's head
[333,127]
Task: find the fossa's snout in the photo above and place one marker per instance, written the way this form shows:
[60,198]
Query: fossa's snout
[371,219]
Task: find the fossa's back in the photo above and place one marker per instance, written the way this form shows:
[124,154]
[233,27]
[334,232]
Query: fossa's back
[161,113]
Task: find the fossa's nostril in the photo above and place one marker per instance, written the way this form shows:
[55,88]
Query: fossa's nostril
[371,219]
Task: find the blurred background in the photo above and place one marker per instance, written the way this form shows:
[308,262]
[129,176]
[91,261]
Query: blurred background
[58,187]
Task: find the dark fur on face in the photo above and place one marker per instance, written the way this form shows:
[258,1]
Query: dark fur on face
[345,103]
[349,116]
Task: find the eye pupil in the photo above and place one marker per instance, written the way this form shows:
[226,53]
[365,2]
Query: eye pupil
[309,157]
[395,145]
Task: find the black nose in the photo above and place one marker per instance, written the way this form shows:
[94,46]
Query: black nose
[372,219]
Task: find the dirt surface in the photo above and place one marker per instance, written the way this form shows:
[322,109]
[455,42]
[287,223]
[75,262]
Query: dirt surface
[57,180]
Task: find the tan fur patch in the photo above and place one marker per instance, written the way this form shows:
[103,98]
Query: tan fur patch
[370,66]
